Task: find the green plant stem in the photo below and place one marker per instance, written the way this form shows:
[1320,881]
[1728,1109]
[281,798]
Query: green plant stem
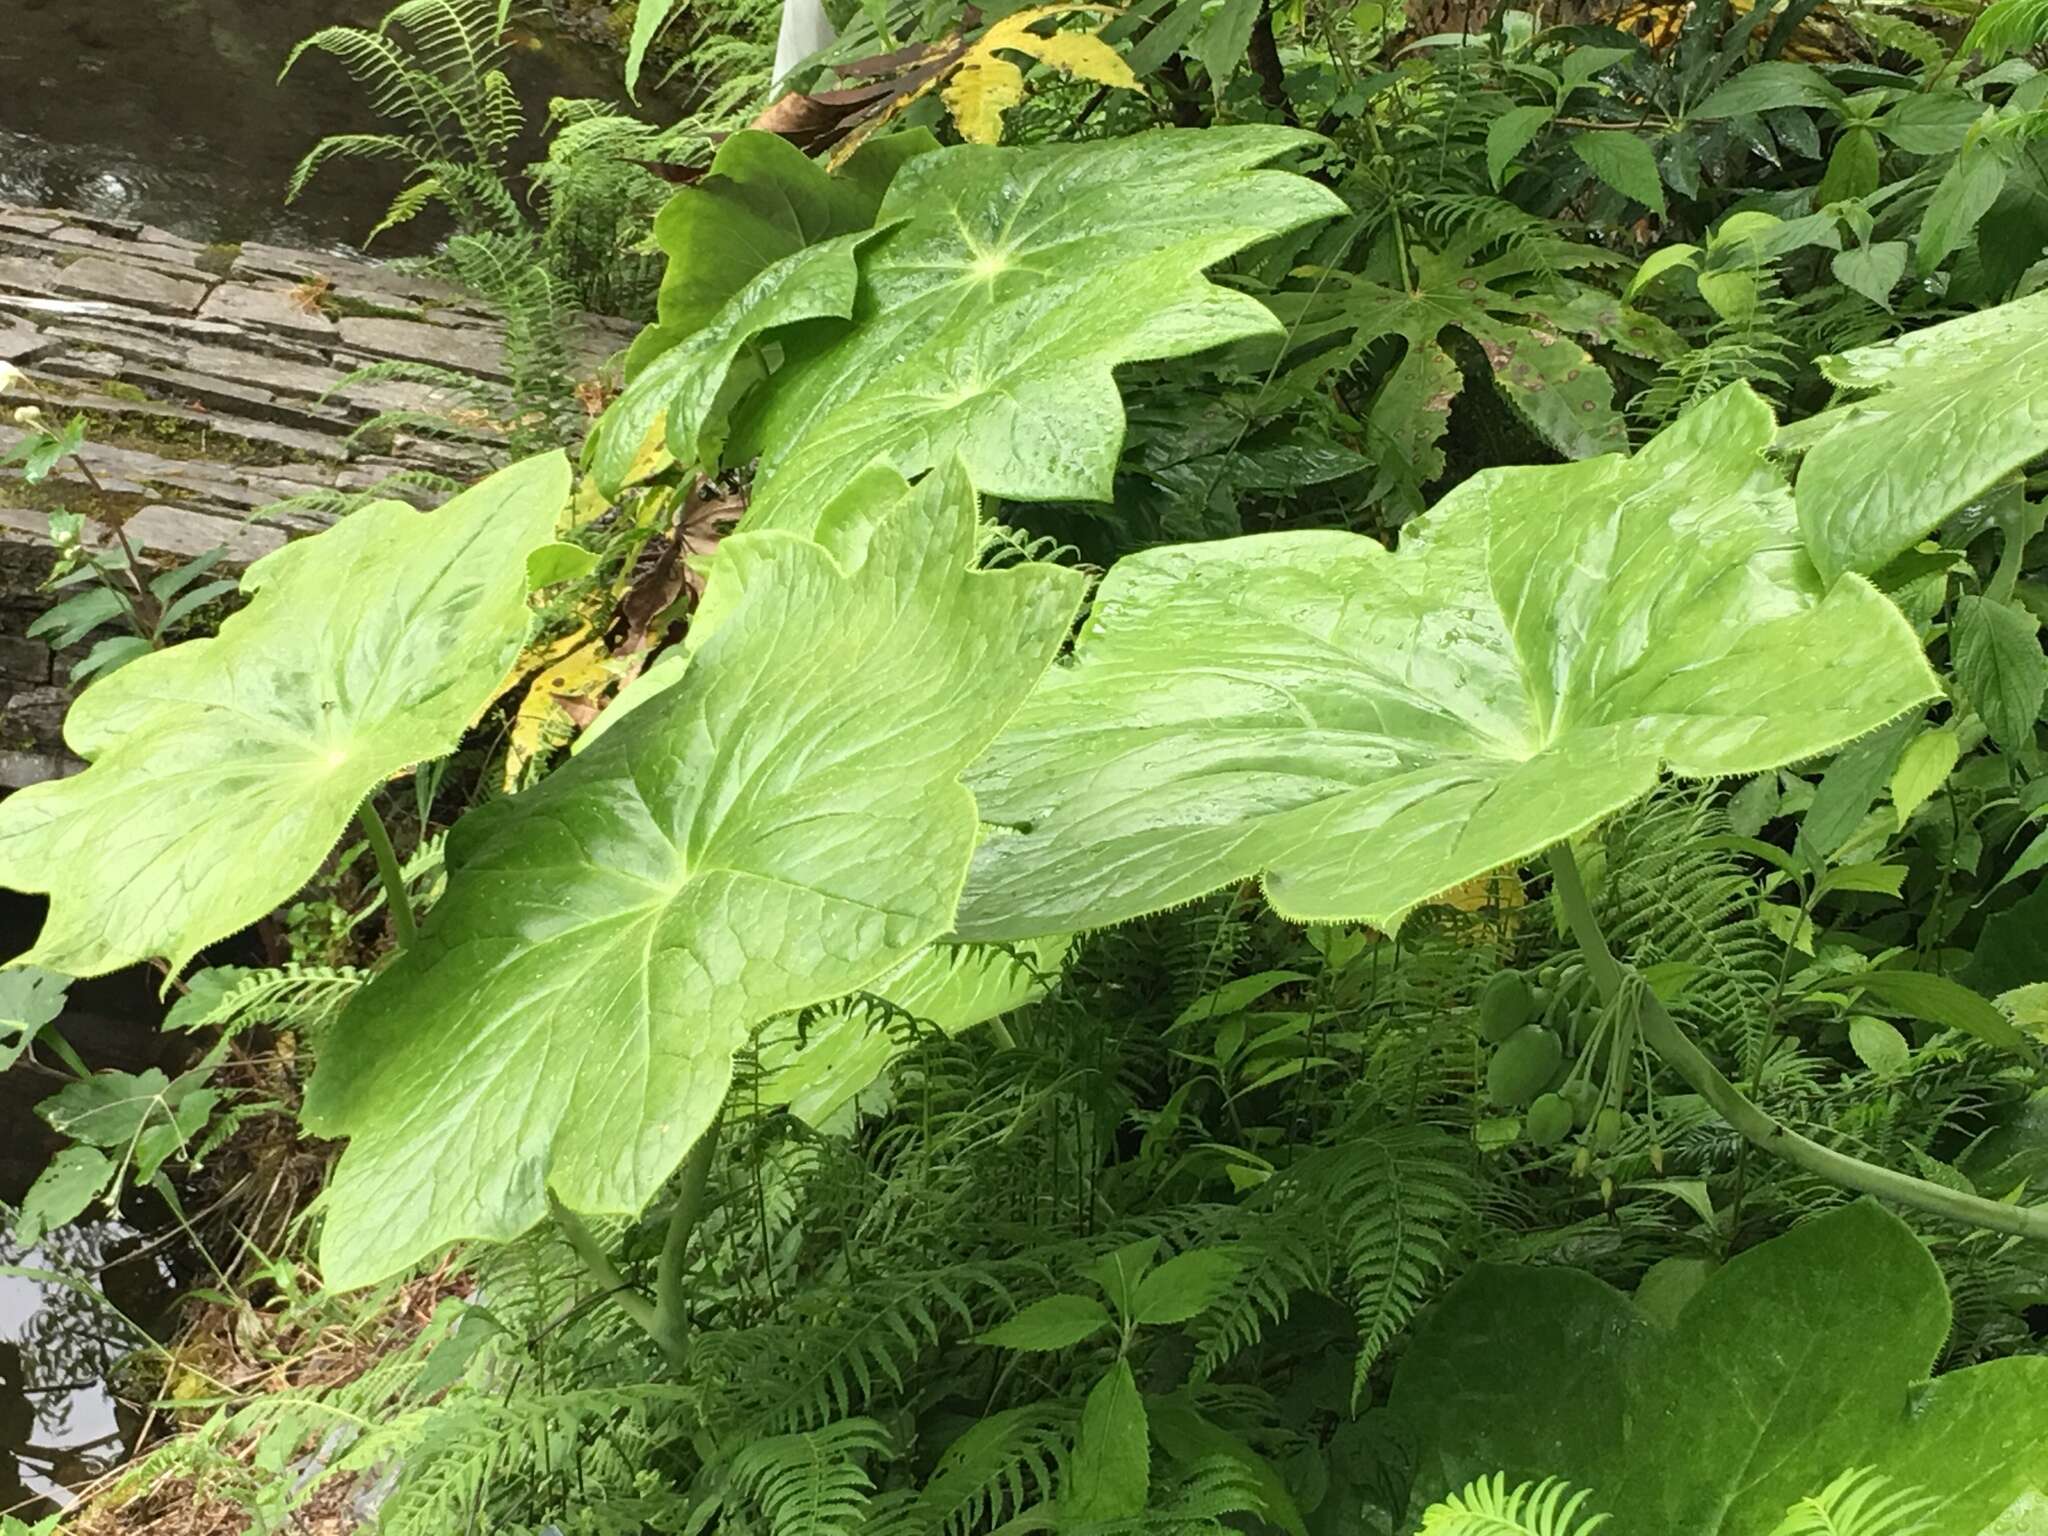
[670,1306]
[601,1268]
[62,1049]
[145,611]
[403,928]
[2005,578]
[664,1318]
[1677,1048]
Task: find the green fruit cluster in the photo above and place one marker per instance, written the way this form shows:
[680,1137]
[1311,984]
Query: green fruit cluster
[1529,1058]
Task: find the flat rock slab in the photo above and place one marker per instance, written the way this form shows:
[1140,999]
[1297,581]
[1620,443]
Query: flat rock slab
[214,389]
[19,342]
[265,305]
[127,282]
[466,349]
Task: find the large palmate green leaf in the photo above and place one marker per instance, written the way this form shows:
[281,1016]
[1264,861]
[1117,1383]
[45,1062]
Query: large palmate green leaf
[761,201]
[223,770]
[1796,1362]
[780,826]
[765,240]
[1518,312]
[1950,409]
[1368,729]
[1005,287]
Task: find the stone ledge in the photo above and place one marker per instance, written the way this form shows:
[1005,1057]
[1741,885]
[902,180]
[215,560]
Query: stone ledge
[213,389]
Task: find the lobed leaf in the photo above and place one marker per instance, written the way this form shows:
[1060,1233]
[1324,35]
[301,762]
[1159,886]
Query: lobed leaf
[766,239]
[781,825]
[223,770]
[1883,470]
[993,314]
[1795,1362]
[1366,729]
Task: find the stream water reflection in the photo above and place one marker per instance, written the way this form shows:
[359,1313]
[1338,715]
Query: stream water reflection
[59,1422]
[168,111]
[63,1331]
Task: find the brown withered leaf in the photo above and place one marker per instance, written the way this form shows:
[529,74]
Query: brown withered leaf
[664,591]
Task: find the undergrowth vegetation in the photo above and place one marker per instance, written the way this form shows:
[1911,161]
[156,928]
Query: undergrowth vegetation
[1277,768]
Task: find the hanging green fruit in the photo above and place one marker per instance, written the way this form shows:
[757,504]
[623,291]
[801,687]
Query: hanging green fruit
[1548,1121]
[1523,1066]
[1505,1005]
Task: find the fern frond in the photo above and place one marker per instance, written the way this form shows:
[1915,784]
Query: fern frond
[994,1472]
[349,146]
[1488,1507]
[786,1376]
[298,997]
[1861,1502]
[457,39]
[1280,1260]
[813,1483]
[412,200]
[2007,27]
[1393,1200]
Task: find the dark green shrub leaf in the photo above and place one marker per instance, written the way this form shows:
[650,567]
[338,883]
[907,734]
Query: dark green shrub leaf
[1509,134]
[1923,768]
[1112,1467]
[61,1192]
[1879,1045]
[1998,660]
[1626,164]
[1872,270]
[1184,1286]
[1934,123]
[1221,45]
[1937,1000]
[30,998]
[1795,1362]
[1850,787]
[1852,168]
[1057,1322]
[1765,86]
[1964,195]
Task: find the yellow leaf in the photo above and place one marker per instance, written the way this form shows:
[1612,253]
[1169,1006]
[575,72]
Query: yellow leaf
[1082,55]
[578,673]
[1501,890]
[653,456]
[978,96]
[985,86]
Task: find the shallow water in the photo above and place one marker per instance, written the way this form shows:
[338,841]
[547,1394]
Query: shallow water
[60,1420]
[169,111]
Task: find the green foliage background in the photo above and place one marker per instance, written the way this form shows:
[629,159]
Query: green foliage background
[1381,1025]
